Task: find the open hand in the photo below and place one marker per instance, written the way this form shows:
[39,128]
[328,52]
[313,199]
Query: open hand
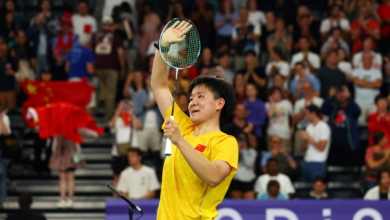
[175,33]
[304,135]
[172,131]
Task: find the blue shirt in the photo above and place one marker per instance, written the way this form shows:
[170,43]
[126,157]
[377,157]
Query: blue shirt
[227,28]
[257,115]
[265,196]
[313,80]
[266,157]
[78,58]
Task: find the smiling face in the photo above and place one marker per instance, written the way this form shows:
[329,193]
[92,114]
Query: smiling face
[203,105]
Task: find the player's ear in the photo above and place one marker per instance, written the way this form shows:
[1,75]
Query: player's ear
[220,103]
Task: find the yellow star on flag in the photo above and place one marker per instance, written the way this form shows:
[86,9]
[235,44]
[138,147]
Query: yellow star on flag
[32,89]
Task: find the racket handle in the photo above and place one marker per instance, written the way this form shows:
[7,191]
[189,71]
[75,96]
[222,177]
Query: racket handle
[168,144]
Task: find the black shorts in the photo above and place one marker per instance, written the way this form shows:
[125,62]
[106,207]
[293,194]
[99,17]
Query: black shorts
[118,164]
[237,185]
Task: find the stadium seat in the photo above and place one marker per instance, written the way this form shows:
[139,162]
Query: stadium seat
[342,190]
[343,174]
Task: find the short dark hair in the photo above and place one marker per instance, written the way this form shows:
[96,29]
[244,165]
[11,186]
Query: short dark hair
[25,200]
[221,89]
[273,183]
[83,1]
[379,97]
[250,52]
[306,38]
[378,136]
[278,51]
[135,150]
[379,175]
[314,109]
[322,179]
[335,29]
[40,3]
[222,54]
[331,52]
[272,160]
[300,63]
[274,89]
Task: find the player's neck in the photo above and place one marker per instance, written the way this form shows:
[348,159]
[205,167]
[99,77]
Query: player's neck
[137,166]
[207,126]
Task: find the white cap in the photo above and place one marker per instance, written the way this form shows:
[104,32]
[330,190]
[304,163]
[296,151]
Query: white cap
[107,20]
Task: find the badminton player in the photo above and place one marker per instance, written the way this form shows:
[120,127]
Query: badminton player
[198,173]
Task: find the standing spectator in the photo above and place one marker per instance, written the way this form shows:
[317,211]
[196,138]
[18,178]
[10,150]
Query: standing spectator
[205,63]
[273,174]
[7,78]
[334,42]
[244,179]
[280,82]
[175,11]
[80,61]
[277,66]
[330,76]
[239,85]
[273,192]
[281,38]
[299,118]
[245,37]
[5,130]
[317,138]
[223,67]
[377,158]
[253,74]
[306,27]
[384,14]
[382,191]
[224,21]
[138,181]
[319,187]
[256,16]
[84,25]
[364,25]
[380,120]
[343,113]
[46,17]
[267,30]
[19,20]
[367,81]
[286,163]
[296,85]
[25,201]
[8,28]
[344,64]
[311,60]
[357,59]
[202,17]
[335,20]
[279,111]
[110,62]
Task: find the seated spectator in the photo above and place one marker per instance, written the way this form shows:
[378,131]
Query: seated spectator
[239,85]
[19,19]
[296,85]
[23,66]
[25,201]
[343,113]
[307,26]
[312,60]
[205,63]
[357,59]
[7,78]
[253,74]
[273,174]
[382,190]
[364,25]
[344,64]
[138,181]
[5,130]
[281,39]
[84,25]
[279,111]
[286,163]
[317,141]
[299,118]
[319,188]
[277,66]
[384,14]
[244,179]
[245,37]
[255,16]
[182,100]
[330,76]
[223,67]
[273,192]
[377,158]
[334,42]
[224,20]
[367,82]
[380,120]
[202,17]
[267,30]
[279,82]
[334,20]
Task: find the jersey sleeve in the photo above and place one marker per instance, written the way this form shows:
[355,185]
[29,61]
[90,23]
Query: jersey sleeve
[183,121]
[226,150]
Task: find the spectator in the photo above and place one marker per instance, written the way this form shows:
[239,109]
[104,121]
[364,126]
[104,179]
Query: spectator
[223,67]
[306,27]
[7,78]
[205,63]
[266,31]
[202,17]
[311,60]
[330,76]
[46,18]
[245,37]
[110,62]
[299,118]
[279,111]
[296,85]
[286,163]
[273,174]
[367,81]
[224,21]
[281,38]
[22,63]
[357,59]
[253,74]
[175,11]
[19,20]
[138,181]
[5,130]
[182,101]
[363,26]
[80,61]
[8,28]
[380,120]
[45,76]
[25,201]
[319,188]
[344,64]
[335,20]
[244,179]
[384,14]
[273,192]
[382,191]
[256,16]
[239,85]
[284,9]
[280,82]
[317,141]
[84,24]
[343,113]
[377,158]
[277,66]
[334,42]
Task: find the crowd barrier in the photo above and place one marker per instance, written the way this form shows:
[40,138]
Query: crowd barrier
[271,210]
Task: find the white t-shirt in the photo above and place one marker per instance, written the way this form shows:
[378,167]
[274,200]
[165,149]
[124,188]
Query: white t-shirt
[7,124]
[279,123]
[138,183]
[122,135]
[345,67]
[373,194]
[366,95]
[376,58]
[247,160]
[284,70]
[85,26]
[326,25]
[318,132]
[151,116]
[285,183]
[301,104]
[226,74]
[313,58]
[257,17]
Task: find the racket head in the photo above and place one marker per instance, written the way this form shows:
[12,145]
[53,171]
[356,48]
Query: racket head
[182,55]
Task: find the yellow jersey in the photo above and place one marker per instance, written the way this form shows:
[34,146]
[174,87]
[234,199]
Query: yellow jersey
[184,195]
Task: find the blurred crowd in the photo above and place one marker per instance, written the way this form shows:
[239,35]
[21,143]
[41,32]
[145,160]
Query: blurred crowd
[311,78]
